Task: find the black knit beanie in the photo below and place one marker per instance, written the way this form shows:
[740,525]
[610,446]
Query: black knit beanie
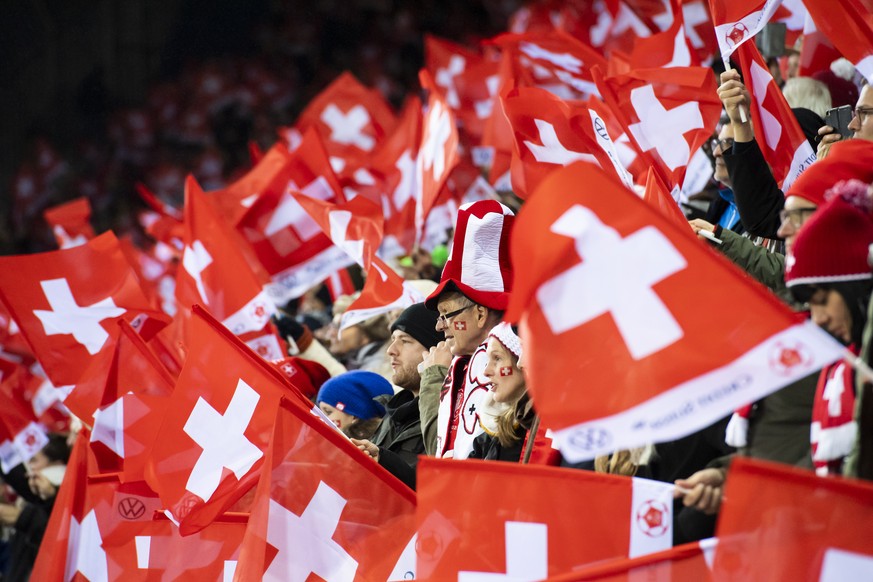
[419,322]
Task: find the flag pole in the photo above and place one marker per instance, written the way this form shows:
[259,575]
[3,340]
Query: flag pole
[531,437]
[743,116]
[859,365]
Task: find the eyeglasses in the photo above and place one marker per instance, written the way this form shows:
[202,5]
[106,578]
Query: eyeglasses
[796,217]
[725,144]
[444,319]
[862,112]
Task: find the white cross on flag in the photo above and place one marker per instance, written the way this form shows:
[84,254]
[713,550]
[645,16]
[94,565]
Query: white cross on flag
[66,303]
[21,437]
[215,270]
[322,508]
[667,113]
[287,242]
[525,534]
[356,227]
[599,272]
[71,222]
[551,133]
[847,24]
[777,131]
[737,21]
[217,424]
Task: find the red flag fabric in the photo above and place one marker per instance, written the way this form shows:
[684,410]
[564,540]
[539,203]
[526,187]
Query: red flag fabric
[216,427]
[287,242]
[808,527]
[21,437]
[596,266]
[323,508]
[522,532]
[668,113]
[658,196]
[670,48]
[737,21]
[817,52]
[551,133]
[686,562]
[848,24]
[122,397]
[66,303]
[215,273]
[777,132]
[71,222]
[356,227]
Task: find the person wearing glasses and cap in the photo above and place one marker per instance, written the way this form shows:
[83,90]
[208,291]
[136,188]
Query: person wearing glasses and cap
[473,292]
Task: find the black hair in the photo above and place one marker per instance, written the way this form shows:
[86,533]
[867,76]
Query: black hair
[856,294]
[57,448]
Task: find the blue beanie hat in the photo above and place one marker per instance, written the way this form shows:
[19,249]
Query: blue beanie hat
[355,392]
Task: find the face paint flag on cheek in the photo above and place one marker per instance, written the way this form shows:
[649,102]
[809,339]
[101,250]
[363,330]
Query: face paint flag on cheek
[460,325]
[506,371]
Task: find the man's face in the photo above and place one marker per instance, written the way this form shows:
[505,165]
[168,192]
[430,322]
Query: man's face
[462,330]
[862,124]
[720,172]
[404,353]
[797,210]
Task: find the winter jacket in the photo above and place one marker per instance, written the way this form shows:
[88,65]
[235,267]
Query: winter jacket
[399,437]
[766,267]
[432,379]
[756,192]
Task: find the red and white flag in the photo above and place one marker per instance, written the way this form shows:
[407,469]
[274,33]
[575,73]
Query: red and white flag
[122,397]
[525,533]
[215,272]
[667,113]
[21,436]
[599,270]
[690,561]
[551,133]
[71,222]
[669,48]
[217,424]
[783,523]
[356,227]
[779,136]
[848,24]
[658,196]
[324,510]
[288,243]
[737,21]
[66,303]
[817,52]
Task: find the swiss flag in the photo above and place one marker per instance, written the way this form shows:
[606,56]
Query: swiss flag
[686,562]
[21,437]
[287,242]
[122,397]
[553,61]
[155,550]
[667,113]
[215,272]
[437,154]
[87,511]
[596,266]
[779,136]
[783,523]
[698,28]
[356,227]
[525,534]
[66,303]
[71,222]
[216,427]
[156,203]
[323,509]
[670,48]
[551,133]
[737,21]
[351,118]
[817,52]
[658,196]
[849,26]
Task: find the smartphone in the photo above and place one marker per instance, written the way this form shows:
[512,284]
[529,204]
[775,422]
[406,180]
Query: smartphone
[839,118]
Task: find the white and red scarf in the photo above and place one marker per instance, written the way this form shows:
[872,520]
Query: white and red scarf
[833,428]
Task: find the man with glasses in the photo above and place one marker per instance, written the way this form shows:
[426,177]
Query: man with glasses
[723,210]
[861,124]
[454,400]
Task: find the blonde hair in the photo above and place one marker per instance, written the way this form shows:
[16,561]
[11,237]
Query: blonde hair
[507,422]
[808,93]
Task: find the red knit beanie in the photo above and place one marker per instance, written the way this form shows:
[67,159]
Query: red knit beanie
[847,160]
[833,245]
[306,375]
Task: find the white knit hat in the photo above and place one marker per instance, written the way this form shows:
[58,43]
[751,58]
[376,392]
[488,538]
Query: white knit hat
[504,334]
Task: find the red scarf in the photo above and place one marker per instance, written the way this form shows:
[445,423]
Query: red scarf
[833,430]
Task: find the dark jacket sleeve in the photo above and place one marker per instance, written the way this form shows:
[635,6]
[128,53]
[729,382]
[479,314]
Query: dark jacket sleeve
[756,192]
[398,466]
[17,479]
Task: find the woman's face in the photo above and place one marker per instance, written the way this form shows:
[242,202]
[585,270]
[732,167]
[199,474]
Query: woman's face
[341,419]
[507,381]
[829,311]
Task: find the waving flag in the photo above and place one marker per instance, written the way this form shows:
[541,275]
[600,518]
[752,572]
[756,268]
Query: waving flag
[670,48]
[737,21]
[525,534]
[21,437]
[71,222]
[66,303]
[602,290]
[667,113]
[808,527]
[779,136]
[848,24]
[217,425]
[551,133]
[323,508]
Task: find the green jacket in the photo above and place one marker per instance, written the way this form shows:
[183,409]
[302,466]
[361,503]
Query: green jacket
[764,266]
[432,379]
